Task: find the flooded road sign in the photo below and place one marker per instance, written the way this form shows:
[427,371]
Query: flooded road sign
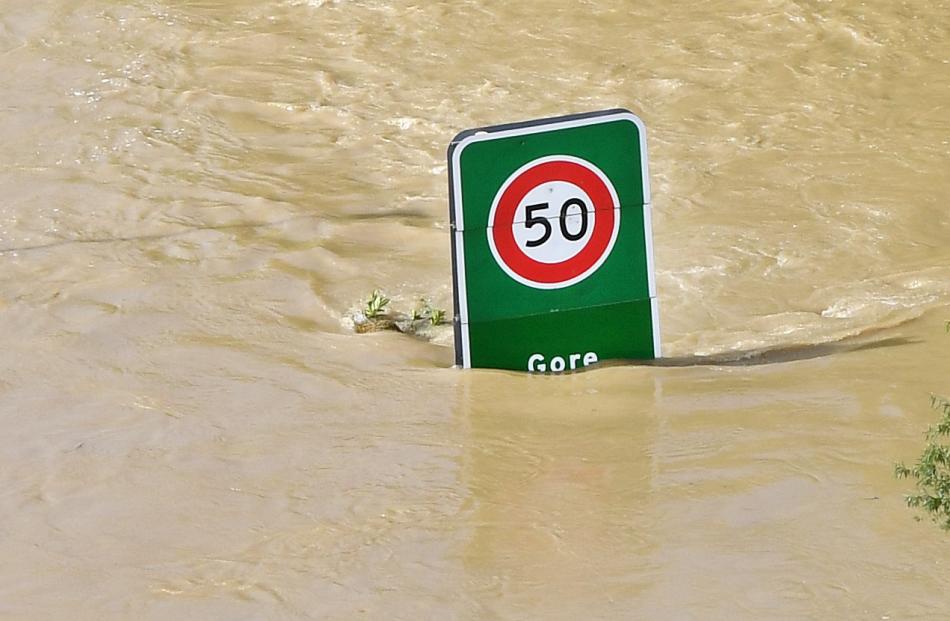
[552,254]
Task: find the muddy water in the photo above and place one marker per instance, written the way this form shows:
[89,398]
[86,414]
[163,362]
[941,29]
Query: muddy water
[194,194]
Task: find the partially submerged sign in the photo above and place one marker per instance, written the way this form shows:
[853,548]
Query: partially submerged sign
[552,255]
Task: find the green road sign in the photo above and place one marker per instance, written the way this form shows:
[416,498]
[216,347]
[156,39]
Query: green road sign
[552,253]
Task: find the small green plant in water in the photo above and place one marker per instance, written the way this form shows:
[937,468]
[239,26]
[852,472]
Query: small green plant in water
[932,470]
[376,315]
[425,310]
[376,305]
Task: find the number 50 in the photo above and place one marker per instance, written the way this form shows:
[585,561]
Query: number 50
[531,220]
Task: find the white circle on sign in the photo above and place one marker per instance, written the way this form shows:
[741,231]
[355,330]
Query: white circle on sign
[554,221]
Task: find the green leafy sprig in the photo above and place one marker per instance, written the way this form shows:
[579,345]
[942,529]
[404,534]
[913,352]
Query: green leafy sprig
[425,310]
[376,305]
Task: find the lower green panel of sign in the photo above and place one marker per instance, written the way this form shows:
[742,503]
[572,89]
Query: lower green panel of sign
[565,340]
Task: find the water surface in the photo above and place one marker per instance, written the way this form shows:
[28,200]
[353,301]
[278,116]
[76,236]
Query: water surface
[195,193]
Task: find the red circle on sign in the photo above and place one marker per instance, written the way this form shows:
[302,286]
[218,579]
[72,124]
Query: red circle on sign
[536,273]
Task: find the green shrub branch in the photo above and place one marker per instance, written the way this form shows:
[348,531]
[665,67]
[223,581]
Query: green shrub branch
[931,473]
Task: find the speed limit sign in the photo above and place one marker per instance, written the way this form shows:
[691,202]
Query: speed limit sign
[552,243]
[561,238]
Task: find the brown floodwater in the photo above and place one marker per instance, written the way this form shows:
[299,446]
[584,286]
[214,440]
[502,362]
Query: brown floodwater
[195,194]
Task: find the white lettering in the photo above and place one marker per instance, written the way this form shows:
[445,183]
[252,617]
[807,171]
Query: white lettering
[537,362]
